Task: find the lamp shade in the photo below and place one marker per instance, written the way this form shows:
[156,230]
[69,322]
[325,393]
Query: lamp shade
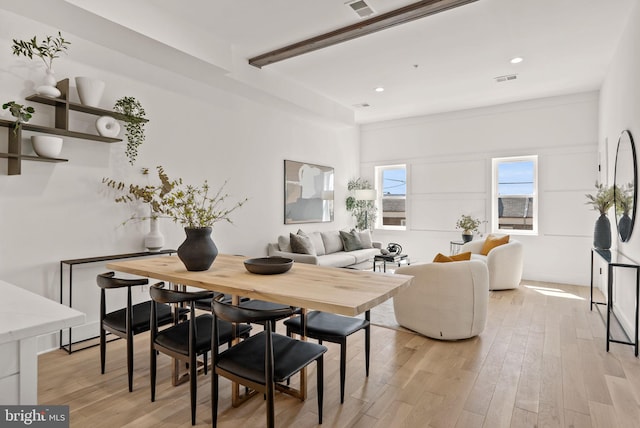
[365,194]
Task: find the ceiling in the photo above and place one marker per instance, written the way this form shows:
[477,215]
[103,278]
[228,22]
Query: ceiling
[440,63]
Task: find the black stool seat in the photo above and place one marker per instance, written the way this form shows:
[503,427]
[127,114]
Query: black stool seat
[321,325]
[117,320]
[333,328]
[246,359]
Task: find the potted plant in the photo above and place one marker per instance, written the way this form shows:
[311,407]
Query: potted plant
[47,50]
[22,113]
[602,201]
[469,225]
[364,211]
[623,200]
[133,114]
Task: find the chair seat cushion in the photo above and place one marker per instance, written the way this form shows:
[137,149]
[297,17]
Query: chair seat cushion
[246,359]
[324,325]
[176,338]
[141,315]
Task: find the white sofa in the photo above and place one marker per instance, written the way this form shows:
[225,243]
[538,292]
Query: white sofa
[446,301]
[329,251]
[504,262]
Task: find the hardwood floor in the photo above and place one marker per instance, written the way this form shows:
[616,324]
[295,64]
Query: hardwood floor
[540,362]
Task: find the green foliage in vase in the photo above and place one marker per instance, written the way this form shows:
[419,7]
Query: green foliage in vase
[20,112]
[602,201]
[47,50]
[365,212]
[623,196]
[468,224]
[134,124]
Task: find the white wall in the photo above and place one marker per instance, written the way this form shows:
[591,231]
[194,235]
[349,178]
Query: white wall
[449,163]
[620,110]
[56,211]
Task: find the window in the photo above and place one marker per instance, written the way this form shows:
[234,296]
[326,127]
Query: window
[515,200]
[391,182]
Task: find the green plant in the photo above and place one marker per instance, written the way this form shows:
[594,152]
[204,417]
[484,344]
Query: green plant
[468,224]
[47,50]
[623,196]
[133,113]
[20,112]
[365,212]
[603,199]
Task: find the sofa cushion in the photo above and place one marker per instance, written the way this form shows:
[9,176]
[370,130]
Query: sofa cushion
[318,244]
[350,240]
[365,238]
[365,254]
[339,259]
[284,243]
[301,244]
[493,241]
[441,258]
[332,241]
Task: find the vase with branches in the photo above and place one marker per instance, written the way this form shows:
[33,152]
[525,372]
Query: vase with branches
[602,201]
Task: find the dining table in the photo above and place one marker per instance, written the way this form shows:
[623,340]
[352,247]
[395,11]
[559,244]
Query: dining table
[341,291]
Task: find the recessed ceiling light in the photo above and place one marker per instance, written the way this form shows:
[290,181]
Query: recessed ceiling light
[379,89]
[516,60]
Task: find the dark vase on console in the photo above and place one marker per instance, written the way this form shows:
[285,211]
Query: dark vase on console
[198,251]
[624,227]
[466,237]
[602,233]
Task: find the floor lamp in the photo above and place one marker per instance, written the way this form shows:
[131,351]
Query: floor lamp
[366,195]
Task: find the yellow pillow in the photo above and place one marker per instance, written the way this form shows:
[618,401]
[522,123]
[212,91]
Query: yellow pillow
[492,242]
[441,258]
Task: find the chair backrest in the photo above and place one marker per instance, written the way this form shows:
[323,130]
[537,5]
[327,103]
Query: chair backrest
[108,280]
[237,314]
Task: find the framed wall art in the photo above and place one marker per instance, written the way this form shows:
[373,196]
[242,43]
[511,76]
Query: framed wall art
[308,193]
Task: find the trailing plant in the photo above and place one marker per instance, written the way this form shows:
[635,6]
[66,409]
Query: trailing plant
[602,201]
[365,212]
[47,50]
[134,119]
[20,112]
[468,224]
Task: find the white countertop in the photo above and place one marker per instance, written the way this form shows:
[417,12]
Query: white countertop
[26,314]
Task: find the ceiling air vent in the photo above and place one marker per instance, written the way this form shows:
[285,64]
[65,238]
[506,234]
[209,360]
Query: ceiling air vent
[362,105]
[506,78]
[361,8]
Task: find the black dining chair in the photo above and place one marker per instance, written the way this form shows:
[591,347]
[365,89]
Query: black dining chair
[128,321]
[324,326]
[262,361]
[187,339]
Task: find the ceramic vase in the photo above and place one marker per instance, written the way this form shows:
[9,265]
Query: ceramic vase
[602,233]
[198,251]
[624,227]
[48,87]
[154,240]
[89,90]
[107,126]
[46,146]
[466,237]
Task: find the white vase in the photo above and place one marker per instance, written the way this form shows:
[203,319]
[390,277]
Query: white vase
[48,88]
[89,90]
[46,146]
[107,126]
[154,241]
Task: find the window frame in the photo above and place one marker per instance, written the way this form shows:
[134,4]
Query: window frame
[495,221]
[379,170]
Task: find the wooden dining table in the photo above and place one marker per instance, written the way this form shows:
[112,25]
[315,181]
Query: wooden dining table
[342,291]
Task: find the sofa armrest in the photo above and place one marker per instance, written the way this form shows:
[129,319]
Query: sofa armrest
[296,257]
[376,244]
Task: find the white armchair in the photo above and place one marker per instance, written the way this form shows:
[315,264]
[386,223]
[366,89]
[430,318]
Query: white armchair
[504,262]
[446,301]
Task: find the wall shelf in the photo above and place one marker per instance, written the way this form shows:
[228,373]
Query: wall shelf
[62,107]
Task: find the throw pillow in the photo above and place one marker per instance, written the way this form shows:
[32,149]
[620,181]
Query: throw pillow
[492,242]
[284,244]
[441,258]
[301,244]
[350,240]
[365,238]
[332,241]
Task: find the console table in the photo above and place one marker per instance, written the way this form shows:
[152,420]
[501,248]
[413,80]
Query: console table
[72,262]
[611,266]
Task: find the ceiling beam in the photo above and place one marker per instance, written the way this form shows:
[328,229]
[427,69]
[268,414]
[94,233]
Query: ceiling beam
[386,20]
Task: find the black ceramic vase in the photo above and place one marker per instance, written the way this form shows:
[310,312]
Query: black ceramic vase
[198,251]
[624,227]
[602,233]
[467,237]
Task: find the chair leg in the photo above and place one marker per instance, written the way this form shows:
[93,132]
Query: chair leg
[367,347]
[214,398]
[130,361]
[320,385]
[343,367]
[103,348]
[193,383]
[204,357]
[152,370]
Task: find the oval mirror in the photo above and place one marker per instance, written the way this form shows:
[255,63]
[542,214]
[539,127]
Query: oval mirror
[624,182]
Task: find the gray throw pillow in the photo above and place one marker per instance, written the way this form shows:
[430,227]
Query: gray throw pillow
[350,240]
[284,244]
[301,244]
[365,238]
